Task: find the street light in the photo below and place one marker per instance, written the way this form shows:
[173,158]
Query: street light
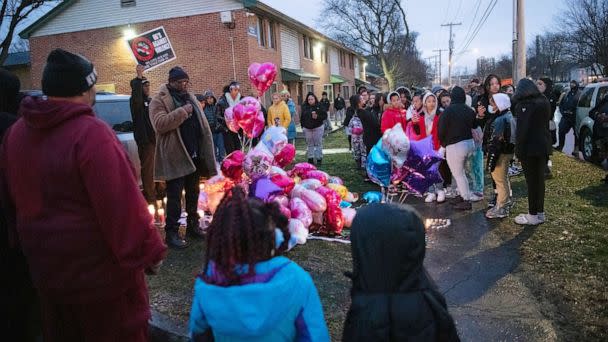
[129,33]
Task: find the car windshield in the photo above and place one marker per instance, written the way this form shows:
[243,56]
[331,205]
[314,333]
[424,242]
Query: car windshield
[117,114]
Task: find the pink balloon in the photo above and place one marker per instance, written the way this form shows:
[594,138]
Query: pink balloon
[349,216]
[313,200]
[232,165]
[284,182]
[334,220]
[318,218]
[258,126]
[230,120]
[257,162]
[297,191]
[301,168]
[203,201]
[277,170]
[331,196]
[311,183]
[280,199]
[300,211]
[252,72]
[264,76]
[316,174]
[335,180]
[285,211]
[298,230]
[285,156]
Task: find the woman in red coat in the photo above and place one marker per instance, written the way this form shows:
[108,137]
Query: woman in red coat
[394,113]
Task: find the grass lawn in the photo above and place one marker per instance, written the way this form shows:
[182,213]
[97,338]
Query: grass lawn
[565,262]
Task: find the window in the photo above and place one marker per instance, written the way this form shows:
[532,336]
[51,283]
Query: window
[310,88]
[271,36]
[329,89]
[114,113]
[324,54]
[353,91]
[603,92]
[308,48]
[261,33]
[351,61]
[345,92]
[127,3]
[342,59]
[585,100]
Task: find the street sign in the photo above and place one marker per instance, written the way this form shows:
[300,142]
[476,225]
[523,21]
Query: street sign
[152,48]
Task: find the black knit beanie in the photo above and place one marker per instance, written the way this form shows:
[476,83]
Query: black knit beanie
[67,74]
[177,73]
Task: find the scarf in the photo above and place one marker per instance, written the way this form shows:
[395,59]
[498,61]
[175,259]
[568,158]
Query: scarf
[231,101]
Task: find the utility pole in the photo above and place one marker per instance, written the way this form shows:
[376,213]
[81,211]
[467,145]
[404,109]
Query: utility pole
[519,41]
[440,51]
[451,51]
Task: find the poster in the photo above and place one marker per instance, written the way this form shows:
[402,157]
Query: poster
[152,48]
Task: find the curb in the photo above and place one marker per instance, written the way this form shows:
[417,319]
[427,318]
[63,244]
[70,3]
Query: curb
[163,328]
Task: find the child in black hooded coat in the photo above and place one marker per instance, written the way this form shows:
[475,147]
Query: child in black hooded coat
[393,297]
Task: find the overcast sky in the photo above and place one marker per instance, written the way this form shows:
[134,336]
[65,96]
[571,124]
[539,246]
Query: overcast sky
[424,16]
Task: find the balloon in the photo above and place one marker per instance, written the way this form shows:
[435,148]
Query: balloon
[300,211]
[372,197]
[275,138]
[297,179]
[203,201]
[313,200]
[218,183]
[351,197]
[297,191]
[280,199]
[214,200]
[258,162]
[332,198]
[285,156]
[262,76]
[421,169]
[252,72]
[340,189]
[345,204]
[284,182]
[298,230]
[275,170]
[396,144]
[258,126]
[311,183]
[263,188]
[232,165]
[349,216]
[334,221]
[317,218]
[230,120]
[301,168]
[335,180]
[285,211]
[316,174]
[379,165]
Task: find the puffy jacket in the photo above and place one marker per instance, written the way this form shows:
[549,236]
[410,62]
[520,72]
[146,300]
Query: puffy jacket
[457,121]
[393,116]
[306,118]
[279,113]
[533,138]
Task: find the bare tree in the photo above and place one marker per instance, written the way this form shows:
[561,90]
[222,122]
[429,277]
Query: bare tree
[587,31]
[12,13]
[371,27]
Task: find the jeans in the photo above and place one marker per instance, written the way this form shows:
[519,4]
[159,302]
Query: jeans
[218,143]
[189,183]
[314,141]
[340,116]
[534,171]
[565,124]
[500,175]
[475,170]
[457,155]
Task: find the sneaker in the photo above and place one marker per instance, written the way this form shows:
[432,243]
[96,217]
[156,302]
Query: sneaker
[497,212]
[440,196]
[541,217]
[451,193]
[430,197]
[528,220]
[311,161]
[514,170]
[475,198]
[492,202]
[464,205]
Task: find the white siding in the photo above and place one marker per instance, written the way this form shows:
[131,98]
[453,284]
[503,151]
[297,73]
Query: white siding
[334,61]
[94,14]
[357,71]
[290,48]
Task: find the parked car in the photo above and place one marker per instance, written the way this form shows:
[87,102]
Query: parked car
[591,94]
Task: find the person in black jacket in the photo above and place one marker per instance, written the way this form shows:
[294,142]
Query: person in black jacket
[371,128]
[230,97]
[144,134]
[209,104]
[454,131]
[567,108]
[312,120]
[340,107]
[393,296]
[532,146]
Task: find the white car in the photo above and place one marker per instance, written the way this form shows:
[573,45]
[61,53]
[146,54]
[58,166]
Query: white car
[590,96]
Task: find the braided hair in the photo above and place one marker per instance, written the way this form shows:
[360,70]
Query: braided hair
[242,234]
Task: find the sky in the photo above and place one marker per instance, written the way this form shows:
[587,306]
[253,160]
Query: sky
[425,17]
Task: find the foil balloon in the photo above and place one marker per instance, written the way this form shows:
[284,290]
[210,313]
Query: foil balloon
[284,182]
[311,183]
[335,180]
[263,188]
[351,197]
[300,211]
[345,204]
[300,169]
[252,72]
[316,174]
[275,170]
[257,162]
[340,189]
[232,165]
[349,216]
[231,122]
[258,126]
[298,230]
[421,169]
[280,200]
[285,211]
[297,191]
[313,200]
[372,197]
[203,201]
[396,144]
[334,220]
[262,76]
[379,165]
[275,138]
[318,218]
[285,156]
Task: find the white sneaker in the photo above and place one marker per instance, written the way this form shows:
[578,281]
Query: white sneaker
[475,198]
[451,193]
[541,217]
[528,220]
[440,196]
[430,197]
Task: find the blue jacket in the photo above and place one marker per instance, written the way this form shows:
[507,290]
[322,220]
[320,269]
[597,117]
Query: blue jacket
[291,130]
[281,303]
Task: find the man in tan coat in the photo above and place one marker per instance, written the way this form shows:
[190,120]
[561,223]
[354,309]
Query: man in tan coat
[184,152]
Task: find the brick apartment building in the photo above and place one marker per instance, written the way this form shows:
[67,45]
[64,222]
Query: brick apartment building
[214,40]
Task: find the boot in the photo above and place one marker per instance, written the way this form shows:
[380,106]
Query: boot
[193,229]
[319,161]
[311,161]
[173,239]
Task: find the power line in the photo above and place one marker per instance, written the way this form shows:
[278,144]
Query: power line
[483,20]
[450,50]
[466,36]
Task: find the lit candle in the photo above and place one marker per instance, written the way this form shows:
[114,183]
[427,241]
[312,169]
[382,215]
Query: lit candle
[151,209]
[165,200]
[161,215]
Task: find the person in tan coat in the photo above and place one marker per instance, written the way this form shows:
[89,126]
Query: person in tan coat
[184,152]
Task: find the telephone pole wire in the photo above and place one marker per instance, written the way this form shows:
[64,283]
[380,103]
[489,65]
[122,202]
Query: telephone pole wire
[440,52]
[451,50]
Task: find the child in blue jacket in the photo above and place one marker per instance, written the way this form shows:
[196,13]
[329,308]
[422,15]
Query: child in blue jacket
[247,291]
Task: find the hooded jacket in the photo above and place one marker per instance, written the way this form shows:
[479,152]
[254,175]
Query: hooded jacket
[279,113]
[391,117]
[172,158]
[81,219]
[371,128]
[143,132]
[306,118]
[417,130]
[569,102]
[457,120]
[280,303]
[393,297]
[532,111]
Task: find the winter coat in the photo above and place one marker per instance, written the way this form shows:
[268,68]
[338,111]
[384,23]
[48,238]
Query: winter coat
[172,159]
[291,130]
[325,104]
[279,113]
[502,133]
[339,103]
[279,303]
[210,111]
[143,132]
[533,138]
[457,121]
[393,297]
[306,118]
[371,128]
[568,105]
[600,129]
[393,116]
[417,130]
[80,217]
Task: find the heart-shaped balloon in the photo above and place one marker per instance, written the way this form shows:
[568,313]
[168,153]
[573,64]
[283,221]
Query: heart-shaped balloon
[232,165]
[284,182]
[252,72]
[285,156]
[231,122]
[262,76]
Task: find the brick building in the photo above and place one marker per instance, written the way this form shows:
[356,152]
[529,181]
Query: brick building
[214,40]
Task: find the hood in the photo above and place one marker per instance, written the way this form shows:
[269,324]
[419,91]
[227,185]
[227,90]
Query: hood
[42,113]
[388,248]
[427,95]
[503,102]
[525,88]
[256,308]
[458,95]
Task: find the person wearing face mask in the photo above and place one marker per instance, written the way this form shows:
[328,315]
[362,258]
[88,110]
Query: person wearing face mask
[416,106]
[567,107]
